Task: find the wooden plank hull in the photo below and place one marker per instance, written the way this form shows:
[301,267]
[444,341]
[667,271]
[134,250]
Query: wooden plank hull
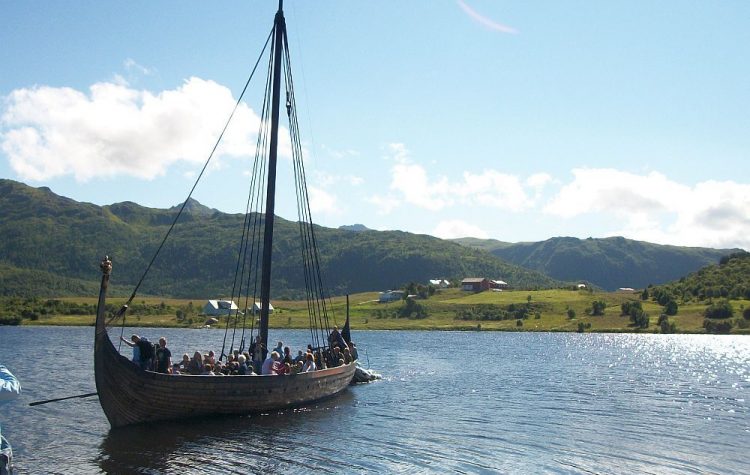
[129,395]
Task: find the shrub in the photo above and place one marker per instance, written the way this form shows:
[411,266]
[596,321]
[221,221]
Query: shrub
[665,326]
[597,307]
[712,326]
[8,320]
[411,309]
[631,308]
[746,313]
[720,309]
[640,319]
[519,323]
[571,313]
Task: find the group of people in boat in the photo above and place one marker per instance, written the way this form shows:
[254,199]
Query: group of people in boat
[279,361]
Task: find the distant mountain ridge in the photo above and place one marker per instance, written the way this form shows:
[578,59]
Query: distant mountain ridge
[609,263]
[46,238]
[357,228]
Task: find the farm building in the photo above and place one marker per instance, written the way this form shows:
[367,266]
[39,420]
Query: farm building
[219,307]
[391,296]
[256,308]
[498,284]
[475,284]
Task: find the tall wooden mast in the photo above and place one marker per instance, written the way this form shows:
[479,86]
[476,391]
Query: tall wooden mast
[279,32]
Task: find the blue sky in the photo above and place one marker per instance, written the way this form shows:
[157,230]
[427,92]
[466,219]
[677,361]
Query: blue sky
[517,121]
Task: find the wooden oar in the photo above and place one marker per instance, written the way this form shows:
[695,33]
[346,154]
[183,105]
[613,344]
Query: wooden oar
[62,399]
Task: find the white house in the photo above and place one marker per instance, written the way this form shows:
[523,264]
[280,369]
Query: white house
[391,296]
[256,308]
[219,307]
[498,284]
[440,283]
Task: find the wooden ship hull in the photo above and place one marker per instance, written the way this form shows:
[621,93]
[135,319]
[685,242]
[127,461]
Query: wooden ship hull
[129,395]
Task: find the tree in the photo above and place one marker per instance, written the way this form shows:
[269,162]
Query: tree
[712,326]
[571,313]
[671,307]
[665,326]
[639,318]
[720,309]
[631,307]
[410,289]
[644,294]
[597,307]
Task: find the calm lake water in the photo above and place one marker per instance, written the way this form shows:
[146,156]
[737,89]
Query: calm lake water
[449,402]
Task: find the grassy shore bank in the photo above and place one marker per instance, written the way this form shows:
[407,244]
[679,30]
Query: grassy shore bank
[449,309]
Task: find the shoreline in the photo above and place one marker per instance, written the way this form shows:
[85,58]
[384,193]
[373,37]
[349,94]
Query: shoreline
[448,310]
[652,330]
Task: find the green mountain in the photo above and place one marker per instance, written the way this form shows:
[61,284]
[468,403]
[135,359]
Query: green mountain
[609,263]
[51,245]
[730,279]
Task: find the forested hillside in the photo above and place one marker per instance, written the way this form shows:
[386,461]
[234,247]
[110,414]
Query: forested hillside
[729,279]
[51,245]
[609,263]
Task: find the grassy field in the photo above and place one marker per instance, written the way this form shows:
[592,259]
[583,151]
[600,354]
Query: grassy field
[449,309]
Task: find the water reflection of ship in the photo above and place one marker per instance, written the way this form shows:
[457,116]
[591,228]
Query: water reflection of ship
[247,444]
[130,395]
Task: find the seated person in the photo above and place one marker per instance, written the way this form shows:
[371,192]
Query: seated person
[279,367]
[347,356]
[195,366]
[268,364]
[185,362]
[241,365]
[309,363]
[336,357]
[288,356]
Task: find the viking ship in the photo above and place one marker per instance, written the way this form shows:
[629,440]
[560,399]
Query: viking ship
[131,395]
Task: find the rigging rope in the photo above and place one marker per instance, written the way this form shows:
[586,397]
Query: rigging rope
[200,175]
[254,197]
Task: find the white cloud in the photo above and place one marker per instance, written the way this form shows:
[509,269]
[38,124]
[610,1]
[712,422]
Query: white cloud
[538,181]
[131,66]
[493,189]
[411,183]
[384,204]
[328,179]
[346,153]
[455,228]
[484,20]
[398,152]
[117,130]
[654,208]
[322,202]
